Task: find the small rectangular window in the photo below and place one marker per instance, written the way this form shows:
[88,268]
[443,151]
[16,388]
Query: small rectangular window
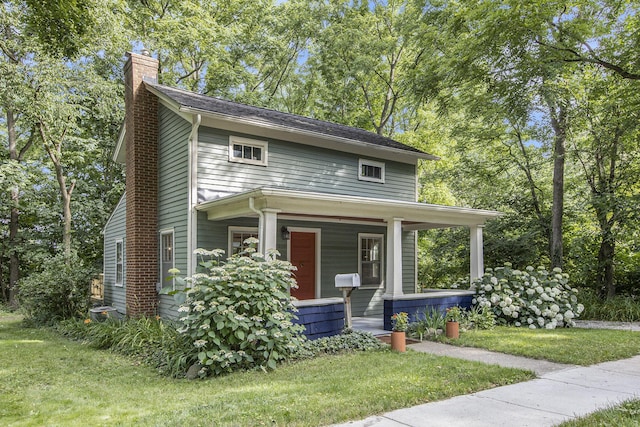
[370,259]
[166,257]
[119,263]
[371,171]
[237,237]
[244,150]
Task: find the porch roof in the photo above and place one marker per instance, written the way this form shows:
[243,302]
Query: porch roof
[309,206]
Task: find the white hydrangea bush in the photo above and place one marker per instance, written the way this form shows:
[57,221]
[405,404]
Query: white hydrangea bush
[534,298]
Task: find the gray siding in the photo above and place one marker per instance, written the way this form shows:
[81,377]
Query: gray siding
[173,190]
[115,230]
[294,166]
[339,254]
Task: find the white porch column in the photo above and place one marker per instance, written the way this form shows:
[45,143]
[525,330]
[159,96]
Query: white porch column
[476,252]
[270,230]
[394,257]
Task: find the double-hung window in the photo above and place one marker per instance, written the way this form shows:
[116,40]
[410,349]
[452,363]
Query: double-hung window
[166,257]
[371,258]
[237,237]
[119,263]
[370,170]
[250,151]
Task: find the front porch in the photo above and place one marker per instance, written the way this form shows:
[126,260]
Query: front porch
[326,316]
[376,238]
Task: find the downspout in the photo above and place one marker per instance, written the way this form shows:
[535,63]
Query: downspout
[192,219]
[260,225]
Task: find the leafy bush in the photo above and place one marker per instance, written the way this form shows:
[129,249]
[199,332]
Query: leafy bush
[621,308]
[428,326]
[155,342]
[349,340]
[479,318]
[533,298]
[60,291]
[239,313]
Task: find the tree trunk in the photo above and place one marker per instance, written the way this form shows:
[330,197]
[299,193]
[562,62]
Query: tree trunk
[14,260]
[606,253]
[55,154]
[559,124]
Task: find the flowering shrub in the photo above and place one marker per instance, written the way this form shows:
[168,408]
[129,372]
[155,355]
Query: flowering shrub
[535,297]
[239,313]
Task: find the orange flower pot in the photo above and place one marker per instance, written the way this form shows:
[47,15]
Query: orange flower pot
[398,341]
[453,330]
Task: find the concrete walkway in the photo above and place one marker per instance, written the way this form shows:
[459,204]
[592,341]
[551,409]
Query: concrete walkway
[561,392]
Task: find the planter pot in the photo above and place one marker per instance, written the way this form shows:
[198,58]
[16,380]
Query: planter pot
[453,330]
[398,341]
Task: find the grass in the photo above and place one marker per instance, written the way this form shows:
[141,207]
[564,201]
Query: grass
[624,414]
[48,380]
[621,308]
[572,345]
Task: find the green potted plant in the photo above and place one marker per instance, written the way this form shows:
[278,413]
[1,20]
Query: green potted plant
[453,318]
[400,323]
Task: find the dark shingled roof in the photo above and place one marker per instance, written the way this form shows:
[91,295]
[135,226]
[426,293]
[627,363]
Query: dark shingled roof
[220,106]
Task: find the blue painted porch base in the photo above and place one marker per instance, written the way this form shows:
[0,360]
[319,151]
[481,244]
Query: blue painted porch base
[321,319]
[416,304]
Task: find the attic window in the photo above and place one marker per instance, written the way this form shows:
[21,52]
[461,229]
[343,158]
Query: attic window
[250,151]
[370,170]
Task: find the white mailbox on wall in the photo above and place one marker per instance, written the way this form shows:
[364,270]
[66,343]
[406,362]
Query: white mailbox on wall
[347,282]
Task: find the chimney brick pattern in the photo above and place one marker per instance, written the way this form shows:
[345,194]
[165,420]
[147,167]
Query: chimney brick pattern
[141,139]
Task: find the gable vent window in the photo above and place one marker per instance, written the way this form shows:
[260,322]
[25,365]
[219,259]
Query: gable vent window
[371,171]
[250,151]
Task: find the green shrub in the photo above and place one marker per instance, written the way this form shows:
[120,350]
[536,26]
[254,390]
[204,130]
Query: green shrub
[239,313]
[61,290]
[621,308]
[349,340]
[479,318]
[153,341]
[428,326]
[533,298]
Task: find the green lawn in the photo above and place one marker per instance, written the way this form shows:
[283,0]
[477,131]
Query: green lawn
[624,414]
[571,345]
[48,380]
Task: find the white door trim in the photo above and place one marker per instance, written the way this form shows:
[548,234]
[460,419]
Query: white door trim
[318,233]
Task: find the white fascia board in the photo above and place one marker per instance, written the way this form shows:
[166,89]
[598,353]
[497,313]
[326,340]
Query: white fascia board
[122,199]
[317,139]
[291,202]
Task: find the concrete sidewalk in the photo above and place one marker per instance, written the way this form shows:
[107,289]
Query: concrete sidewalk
[562,392]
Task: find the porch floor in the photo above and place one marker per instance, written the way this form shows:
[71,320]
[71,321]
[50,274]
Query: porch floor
[374,325]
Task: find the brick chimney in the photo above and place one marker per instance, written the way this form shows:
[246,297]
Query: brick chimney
[141,139]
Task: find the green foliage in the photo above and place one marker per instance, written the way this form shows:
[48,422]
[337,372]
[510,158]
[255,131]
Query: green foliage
[533,298]
[428,325]
[155,342]
[454,314]
[238,314]
[348,341]
[626,413]
[59,291]
[621,308]
[400,321]
[479,318]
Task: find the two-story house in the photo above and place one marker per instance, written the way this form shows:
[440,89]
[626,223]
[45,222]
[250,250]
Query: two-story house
[202,172]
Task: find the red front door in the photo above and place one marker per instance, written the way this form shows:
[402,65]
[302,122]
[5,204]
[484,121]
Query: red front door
[303,256]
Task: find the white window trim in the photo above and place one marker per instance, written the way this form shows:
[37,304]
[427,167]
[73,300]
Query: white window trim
[382,258]
[173,255]
[367,162]
[115,278]
[264,145]
[234,229]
